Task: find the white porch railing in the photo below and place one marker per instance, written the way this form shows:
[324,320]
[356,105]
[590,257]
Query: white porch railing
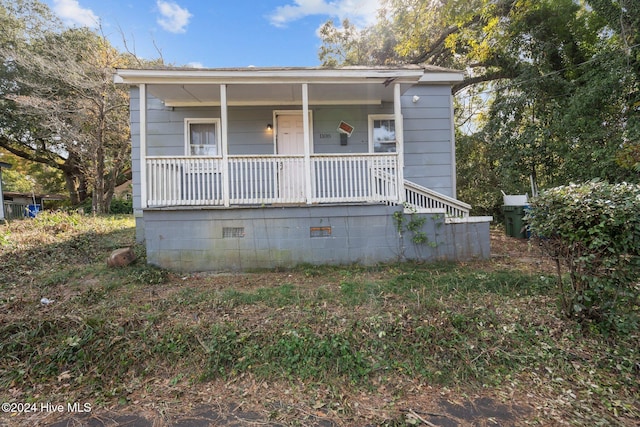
[251,180]
[420,199]
[355,178]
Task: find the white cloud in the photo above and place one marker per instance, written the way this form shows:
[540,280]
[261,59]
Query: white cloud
[195,65]
[174,18]
[361,12]
[72,13]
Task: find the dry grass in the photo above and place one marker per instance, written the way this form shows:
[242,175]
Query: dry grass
[350,344]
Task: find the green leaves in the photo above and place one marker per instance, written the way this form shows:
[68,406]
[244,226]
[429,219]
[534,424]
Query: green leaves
[593,229]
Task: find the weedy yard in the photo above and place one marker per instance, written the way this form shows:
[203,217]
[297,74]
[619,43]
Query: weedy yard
[397,344]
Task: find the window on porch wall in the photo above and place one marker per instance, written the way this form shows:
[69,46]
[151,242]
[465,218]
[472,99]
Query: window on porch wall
[202,137]
[382,133]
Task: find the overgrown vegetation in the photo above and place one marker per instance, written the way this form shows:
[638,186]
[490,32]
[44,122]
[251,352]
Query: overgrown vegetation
[411,226]
[593,230]
[550,93]
[338,335]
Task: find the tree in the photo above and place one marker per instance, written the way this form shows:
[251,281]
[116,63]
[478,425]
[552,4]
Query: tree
[566,116]
[558,81]
[623,19]
[59,103]
[26,176]
[20,134]
[463,34]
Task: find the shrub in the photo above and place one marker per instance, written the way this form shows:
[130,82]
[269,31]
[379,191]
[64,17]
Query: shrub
[593,230]
[121,206]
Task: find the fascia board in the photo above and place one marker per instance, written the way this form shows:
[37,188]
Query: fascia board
[261,77]
[441,77]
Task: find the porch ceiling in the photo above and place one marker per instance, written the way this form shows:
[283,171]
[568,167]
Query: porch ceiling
[283,86]
[273,94]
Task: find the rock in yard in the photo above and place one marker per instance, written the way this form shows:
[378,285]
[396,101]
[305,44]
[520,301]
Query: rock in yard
[121,257]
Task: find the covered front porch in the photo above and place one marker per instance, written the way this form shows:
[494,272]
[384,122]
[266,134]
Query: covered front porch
[286,137]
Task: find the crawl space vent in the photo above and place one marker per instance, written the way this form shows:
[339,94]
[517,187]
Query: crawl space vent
[231,232]
[320,231]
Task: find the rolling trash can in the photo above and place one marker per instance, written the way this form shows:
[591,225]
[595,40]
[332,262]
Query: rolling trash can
[514,210]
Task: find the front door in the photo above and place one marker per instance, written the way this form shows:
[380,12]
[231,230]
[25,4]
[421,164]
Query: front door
[290,142]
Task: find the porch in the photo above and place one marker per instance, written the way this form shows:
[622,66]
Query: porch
[272,179]
[252,180]
[260,168]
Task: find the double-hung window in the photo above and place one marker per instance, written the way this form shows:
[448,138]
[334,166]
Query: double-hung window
[382,133]
[202,137]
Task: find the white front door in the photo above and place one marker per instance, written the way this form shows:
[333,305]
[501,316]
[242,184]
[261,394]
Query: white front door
[290,142]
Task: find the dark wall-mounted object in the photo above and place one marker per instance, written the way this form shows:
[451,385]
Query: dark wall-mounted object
[343,138]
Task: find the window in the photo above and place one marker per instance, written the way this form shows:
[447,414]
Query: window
[382,133]
[202,137]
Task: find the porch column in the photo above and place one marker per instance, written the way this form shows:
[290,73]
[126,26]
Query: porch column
[307,142]
[223,142]
[143,146]
[397,113]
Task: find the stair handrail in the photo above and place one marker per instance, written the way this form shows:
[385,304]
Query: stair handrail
[452,207]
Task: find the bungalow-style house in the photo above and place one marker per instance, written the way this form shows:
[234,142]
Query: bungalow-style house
[244,168]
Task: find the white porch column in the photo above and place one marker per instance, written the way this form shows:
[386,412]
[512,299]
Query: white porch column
[397,116]
[143,146]
[306,126]
[224,151]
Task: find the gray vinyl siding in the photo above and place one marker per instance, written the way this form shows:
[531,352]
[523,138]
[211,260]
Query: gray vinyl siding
[326,119]
[428,137]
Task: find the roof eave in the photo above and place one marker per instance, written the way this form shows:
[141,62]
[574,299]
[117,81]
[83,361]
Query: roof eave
[307,75]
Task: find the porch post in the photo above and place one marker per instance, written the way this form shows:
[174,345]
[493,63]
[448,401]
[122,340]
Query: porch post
[307,142]
[143,146]
[223,142]
[397,113]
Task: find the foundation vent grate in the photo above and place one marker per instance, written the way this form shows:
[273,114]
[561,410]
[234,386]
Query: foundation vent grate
[320,231]
[232,232]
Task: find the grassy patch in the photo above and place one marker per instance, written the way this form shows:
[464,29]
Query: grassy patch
[111,334]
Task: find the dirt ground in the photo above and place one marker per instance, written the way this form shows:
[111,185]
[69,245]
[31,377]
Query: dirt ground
[245,401]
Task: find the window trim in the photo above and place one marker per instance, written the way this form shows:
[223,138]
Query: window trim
[371,119]
[187,134]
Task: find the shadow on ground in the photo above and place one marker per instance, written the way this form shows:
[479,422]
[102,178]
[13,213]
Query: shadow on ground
[480,412]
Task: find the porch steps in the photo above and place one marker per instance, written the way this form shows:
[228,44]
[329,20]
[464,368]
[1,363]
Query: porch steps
[419,199]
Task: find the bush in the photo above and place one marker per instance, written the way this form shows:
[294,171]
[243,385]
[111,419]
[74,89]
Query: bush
[121,206]
[592,229]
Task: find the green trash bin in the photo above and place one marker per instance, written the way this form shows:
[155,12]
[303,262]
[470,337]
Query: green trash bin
[514,225]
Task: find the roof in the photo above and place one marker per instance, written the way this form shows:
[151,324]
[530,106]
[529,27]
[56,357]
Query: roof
[37,196]
[5,165]
[282,85]
[308,74]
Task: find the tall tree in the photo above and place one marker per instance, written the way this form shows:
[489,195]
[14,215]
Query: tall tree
[623,19]
[464,34]
[558,80]
[60,106]
[22,22]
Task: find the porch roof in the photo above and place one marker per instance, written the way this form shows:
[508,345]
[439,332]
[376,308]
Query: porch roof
[282,86]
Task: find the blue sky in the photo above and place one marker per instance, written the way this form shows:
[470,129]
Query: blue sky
[216,33]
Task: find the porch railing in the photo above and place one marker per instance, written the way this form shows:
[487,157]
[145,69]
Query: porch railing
[420,199]
[251,180]
[13,210]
